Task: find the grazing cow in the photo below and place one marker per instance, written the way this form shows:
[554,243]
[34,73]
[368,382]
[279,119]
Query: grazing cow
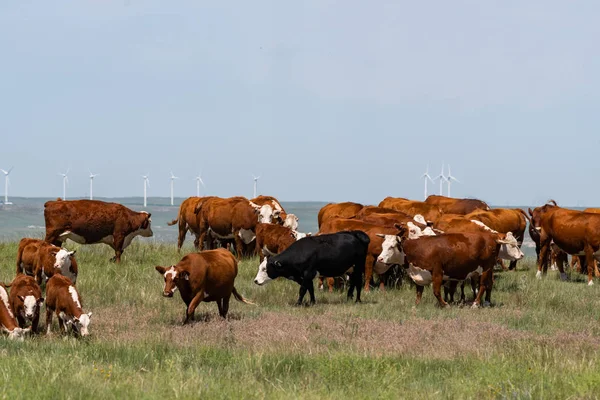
[428,211]
[279,214]
[188,220]
[205,276]
[375,242]
[451,205]
[328,255]
[575,232]
[234,219]
[8,322]
[93,221]
[26,301]
[446,257]
[504,220]
[41,259]
[63,299]
[273,239]
[338,210]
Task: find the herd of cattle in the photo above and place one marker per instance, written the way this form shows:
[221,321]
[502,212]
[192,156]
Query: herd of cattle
[441,241]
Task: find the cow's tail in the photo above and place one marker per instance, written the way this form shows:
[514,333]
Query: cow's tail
[527,217]
[173,222]
[241,298]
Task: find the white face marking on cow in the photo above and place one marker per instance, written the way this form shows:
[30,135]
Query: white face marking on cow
[420,276]
[291,221]
[74,296]
[4,298]
[299,235]
[170,273]
[262,277]
[83,324]
[420,219]
[246,235]
[390,251]
[413,231]
[265,214]
[29,305]
[63,263]
[510,251]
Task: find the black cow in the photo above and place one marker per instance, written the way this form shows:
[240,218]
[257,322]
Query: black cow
[328,255]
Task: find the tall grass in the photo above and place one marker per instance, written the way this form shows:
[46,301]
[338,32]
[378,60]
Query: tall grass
[540,339]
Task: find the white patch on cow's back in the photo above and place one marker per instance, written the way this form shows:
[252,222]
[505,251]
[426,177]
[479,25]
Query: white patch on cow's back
[29,304]
[73,236]
[420,219]
[246,235]
[74,296]
[420,276]
[4,298]
[222,237]
[484,226]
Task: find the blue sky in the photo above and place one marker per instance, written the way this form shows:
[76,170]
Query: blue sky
[326,100]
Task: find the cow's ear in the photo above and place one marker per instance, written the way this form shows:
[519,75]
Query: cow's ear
[41,301]
[277,263]
[160,269]
[185,275]
[90,314]
[72,253]
[22,298]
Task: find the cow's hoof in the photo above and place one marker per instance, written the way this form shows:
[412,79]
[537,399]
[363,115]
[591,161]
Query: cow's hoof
[487,304]
[538,275]
[563,276]
[475,305]
[591,283]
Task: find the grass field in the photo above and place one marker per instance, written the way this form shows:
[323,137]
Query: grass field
[540,339]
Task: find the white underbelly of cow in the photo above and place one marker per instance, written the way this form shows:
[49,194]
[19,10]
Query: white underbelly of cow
[420,276]
[74,237]
[217,236]
[246,235]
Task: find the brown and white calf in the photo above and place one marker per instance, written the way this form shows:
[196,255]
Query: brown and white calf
[205,276]
[26,301]
[273,239]
[8,322]
[63,299]
[42,259]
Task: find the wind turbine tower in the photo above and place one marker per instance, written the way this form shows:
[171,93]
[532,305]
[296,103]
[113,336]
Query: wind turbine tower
[173,177]
[441,178]
[449,179]
[256,178]
[65,181]
[198,182]
[92,176]
[427,177]
[6,181]
[146,185]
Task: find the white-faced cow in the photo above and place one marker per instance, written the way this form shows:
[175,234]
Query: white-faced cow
[63,299]
[8,322]
[26,301]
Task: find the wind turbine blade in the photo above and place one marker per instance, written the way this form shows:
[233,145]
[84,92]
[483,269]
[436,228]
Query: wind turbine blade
[11,168]
[4,172]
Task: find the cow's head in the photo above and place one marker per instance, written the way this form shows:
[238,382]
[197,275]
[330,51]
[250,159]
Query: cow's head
[268,270]
[63,259]
[145,230]
[538,212]
[16,333]
[391,248]
[291,221]
[80,325]
[173,277]
[265,213]
[509,247]
[31,306]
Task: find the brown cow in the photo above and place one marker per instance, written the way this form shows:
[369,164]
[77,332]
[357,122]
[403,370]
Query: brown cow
[338,210]
[39,258]
[575,232]
[93,221]
[63,299]
[272,239]
[8,322]
[413,208]
[450,257]
[451,205]
[504,220]
[374,249]
[26,301]
[205,276]
[188,220]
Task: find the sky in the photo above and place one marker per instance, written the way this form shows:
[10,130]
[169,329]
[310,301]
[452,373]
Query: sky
[325,100]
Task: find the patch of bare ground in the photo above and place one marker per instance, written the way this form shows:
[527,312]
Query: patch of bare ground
[328,332]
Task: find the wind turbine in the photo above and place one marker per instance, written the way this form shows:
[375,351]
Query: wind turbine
[65,181]
[441,178]
[449,179]
[146,184]
[173,177]
[198,182]
[92,176]
[426,176]
[256,178]
[6,181]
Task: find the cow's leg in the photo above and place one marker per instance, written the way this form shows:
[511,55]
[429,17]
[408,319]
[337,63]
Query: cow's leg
[62,325]
[220,306]
[489,284]
[486,279]
[49,313]
[21,321]
[301,295]
[562,259]
[36,322]
[331,284]
[543,261]
[369,262]
[182,233]
[419,294]
[202,239]
[437,279]
[239,247]
[193,304]
[589,258]
[224,309]
[311,289]
[320,283]
[54,238]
